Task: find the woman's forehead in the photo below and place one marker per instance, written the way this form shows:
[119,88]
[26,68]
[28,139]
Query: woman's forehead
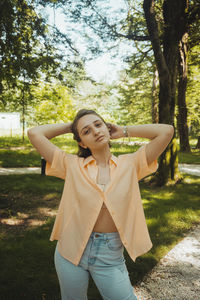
[87,120]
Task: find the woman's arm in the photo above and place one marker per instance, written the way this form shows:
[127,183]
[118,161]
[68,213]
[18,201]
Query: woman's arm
[40,136]
[159,134]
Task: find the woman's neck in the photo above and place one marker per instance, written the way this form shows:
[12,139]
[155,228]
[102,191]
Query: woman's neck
[102,157]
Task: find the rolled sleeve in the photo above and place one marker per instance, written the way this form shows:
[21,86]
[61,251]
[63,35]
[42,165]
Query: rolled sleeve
[143,169]
[58,166]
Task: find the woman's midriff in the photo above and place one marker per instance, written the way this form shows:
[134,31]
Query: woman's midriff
[104,221]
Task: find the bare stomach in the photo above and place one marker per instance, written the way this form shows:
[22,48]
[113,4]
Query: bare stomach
[104,222]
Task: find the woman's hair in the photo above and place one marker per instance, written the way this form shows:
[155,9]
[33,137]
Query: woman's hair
[82,152]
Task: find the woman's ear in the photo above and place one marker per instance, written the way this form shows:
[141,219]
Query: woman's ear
[108,126]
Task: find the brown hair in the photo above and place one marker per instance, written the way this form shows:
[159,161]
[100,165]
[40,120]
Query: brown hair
[82,152]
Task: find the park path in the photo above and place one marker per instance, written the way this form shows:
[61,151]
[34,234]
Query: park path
[28,170]
[177,275]
[185,168]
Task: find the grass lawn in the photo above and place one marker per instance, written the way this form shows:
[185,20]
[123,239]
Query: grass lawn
[15,154]
[28,205]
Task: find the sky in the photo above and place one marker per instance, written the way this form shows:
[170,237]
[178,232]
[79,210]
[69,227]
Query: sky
[104,68]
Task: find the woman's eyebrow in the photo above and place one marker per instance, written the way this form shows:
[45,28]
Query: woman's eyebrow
[89,124]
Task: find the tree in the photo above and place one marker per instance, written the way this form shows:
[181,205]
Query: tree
[135,92]
[112,28]
[182,87]
[23,45]
[165,27]
[189,39]
[29,54]
[192,94]
[53,103]
[97,96]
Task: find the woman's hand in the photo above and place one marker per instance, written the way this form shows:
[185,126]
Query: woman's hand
[116,131]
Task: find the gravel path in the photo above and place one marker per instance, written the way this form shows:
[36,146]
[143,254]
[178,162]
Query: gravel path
[177,275]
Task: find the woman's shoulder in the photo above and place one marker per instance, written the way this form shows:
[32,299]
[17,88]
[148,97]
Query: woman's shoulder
[131,155]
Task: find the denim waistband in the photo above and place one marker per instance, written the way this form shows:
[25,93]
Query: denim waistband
[103,235]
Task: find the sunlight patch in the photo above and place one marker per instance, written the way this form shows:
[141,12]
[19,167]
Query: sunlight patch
[22,215]
[35,222]
[47,211]
[50,196]
[12,222]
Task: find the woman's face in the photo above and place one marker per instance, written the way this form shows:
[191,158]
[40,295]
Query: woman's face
[93,132]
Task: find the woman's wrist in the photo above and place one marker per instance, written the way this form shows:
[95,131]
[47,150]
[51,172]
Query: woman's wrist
[68,127]
[125,131]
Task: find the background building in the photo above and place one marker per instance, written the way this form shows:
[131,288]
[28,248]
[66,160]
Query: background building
[10,123]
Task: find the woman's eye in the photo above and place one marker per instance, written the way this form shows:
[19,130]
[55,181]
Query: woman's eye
[86,132]
[98,124]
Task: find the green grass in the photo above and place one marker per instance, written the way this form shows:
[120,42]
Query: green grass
[26,255]
[190,158]
[15,154]
[28,204]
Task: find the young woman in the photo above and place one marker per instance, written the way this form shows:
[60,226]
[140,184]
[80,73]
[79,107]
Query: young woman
[100,211]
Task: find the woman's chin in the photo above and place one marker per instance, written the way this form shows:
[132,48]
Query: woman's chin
[102,144]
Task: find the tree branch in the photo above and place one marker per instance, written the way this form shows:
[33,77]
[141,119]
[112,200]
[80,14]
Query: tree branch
[152,26]
[130,36]
[67,39]
[194,14]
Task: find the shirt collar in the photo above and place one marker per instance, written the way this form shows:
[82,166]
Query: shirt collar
[91,159]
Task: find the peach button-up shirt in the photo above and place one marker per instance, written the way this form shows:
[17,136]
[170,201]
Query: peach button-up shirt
[82,200]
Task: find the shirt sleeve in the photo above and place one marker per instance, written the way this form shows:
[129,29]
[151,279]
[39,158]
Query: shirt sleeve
[142,167]
[58,167]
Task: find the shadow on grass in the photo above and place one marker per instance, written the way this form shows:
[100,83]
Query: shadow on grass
[27,266]
[26,254]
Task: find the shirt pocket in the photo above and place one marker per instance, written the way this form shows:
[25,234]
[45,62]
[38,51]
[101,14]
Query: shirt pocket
[114,244]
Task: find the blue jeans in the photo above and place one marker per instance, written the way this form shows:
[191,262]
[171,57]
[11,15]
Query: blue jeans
[103,259]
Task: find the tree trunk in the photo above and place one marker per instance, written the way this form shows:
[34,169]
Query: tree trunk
[198,143]
[182,86]
[154,104]
[23,115]
[166,62]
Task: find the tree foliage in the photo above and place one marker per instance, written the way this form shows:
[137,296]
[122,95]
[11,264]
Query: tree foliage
[24,49]
[135,93]
[53,104]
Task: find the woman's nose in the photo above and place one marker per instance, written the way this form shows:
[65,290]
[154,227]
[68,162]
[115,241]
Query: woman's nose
[95,130]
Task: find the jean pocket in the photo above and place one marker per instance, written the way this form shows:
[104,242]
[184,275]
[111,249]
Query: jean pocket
[114,244]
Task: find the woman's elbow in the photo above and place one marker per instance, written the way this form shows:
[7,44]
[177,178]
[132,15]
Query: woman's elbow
[170,132]
[31,133]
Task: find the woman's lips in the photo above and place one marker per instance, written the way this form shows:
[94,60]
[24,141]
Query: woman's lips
[99,138]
